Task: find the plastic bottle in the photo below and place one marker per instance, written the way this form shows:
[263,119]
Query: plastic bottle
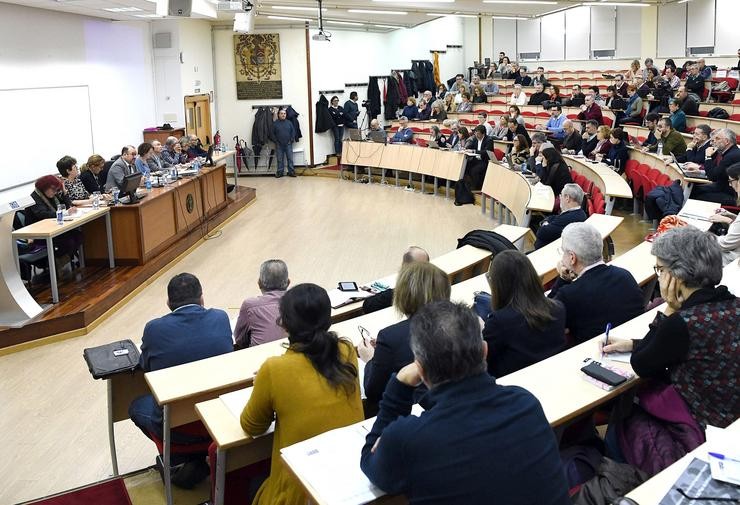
[60,214]
[148,182]
[659,152]
[524,167]
[116,192]
[96,200]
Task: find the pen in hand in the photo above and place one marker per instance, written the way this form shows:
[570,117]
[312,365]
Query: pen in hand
[606,339]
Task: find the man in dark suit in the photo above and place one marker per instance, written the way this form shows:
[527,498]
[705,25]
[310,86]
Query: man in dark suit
[572,142]
[696,149]
[351,110]
[723,153]
[189,333]
[571,199]
[122,167]
[384,299]
[445,456]
[593,293]
[589,137]
[477,166]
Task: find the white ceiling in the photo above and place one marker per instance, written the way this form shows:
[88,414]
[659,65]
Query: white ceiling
[335,10]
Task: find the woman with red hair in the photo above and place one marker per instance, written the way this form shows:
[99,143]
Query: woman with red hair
[48,195]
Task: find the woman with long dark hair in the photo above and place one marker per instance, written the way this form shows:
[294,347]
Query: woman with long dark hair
[524,326]
[311,389]
[555,172]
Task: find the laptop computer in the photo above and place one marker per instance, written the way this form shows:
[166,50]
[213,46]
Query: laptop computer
[682,168]
[354,134]
[378,136]
[433,144]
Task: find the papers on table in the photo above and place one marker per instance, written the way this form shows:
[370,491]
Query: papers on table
[330,464]
[731,277]
[339,298]
[237,400]
[723,453]
[622,357]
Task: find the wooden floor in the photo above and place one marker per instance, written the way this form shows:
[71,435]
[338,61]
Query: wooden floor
[53,428]
[87,293]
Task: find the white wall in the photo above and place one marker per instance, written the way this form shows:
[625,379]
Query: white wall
[40,48]
[235,117]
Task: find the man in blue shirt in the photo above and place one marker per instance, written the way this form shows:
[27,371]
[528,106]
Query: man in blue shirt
[284,134]
[189,333]
[404,133]
[554,125]
[479,443]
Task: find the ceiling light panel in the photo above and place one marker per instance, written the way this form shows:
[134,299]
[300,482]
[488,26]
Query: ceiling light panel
[364,11]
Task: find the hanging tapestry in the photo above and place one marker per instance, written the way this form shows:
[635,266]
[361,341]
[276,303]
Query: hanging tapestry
[257,60]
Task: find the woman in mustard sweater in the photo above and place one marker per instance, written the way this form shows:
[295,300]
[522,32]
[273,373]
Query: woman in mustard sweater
[311,389]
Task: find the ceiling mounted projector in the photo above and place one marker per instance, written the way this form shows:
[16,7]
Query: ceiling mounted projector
[321,37]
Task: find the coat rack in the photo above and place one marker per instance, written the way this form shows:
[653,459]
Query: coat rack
[331,92]
[355,84]
[440,51]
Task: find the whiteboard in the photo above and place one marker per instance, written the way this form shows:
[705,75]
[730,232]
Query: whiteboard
[728,12]
[51,123]
[629,30]
[504,38]
[577,31]
[672,30]
[701,23]
[528,36]
[603,28]
[553,37]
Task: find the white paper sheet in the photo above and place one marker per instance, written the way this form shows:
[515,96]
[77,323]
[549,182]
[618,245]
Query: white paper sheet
[237,400]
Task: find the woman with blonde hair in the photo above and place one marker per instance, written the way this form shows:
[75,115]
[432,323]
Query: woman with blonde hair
[93,175]
[418,284]
[603,145]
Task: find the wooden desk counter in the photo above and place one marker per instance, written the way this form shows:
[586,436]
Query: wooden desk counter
[512,190]
[611,184]
[143,229]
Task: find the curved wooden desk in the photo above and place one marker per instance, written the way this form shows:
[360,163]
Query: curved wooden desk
[513,191]
[611,184]
[437,163]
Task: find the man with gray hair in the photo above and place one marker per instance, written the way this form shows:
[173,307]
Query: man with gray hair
[480,443]
[594,294]
[404,135]
[257,322]
[169,153]
[571,200]
[384,299]
[717,158]
[157,162]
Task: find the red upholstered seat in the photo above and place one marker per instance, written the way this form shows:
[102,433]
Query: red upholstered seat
[422,142]
[498,153]
[195,429]
[735,117]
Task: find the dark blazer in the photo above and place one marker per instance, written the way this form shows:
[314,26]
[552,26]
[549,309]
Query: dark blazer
[617,156]
[187,334]
[538,98]
[480,443]
[40,210]
[552,227]
[696,155]
[574,141]
[690,107]
[93,182]
[324,121]
[485,145]
[719,189]
[604,294]
[381,301]
[351,111]
[520,130]
[392,352]
[589,145]
[513,344]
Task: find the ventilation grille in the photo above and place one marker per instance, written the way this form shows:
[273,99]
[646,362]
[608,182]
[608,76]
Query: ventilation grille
[603,53]
[700,50]
[529,56]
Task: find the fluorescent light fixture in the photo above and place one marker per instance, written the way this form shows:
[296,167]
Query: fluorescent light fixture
[388,26]
[516,18]
[365,11]
[442,15]
[286,18]
[348,23]
[522,2]
[615,4]
[683,1]
[421,1]
[292,8]
[122,9]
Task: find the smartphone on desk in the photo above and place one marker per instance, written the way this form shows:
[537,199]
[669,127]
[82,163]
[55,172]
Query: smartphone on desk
[595,370]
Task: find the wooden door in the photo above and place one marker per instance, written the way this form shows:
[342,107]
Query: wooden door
[198,117]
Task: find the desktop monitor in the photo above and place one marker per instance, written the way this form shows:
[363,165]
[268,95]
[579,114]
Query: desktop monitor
[130,184]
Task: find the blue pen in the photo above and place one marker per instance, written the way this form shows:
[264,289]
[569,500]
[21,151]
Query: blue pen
[721,456]
[606,339]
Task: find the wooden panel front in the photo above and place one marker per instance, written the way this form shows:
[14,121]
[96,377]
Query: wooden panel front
[213,189]
[158,224]
[188,205]
[162,135]
[126,237]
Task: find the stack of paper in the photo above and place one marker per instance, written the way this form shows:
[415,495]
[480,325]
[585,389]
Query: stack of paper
[339,298]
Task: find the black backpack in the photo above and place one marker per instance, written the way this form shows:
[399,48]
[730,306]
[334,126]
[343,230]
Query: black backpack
[718,113]
[485,239]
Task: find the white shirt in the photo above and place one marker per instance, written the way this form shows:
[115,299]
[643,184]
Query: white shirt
[600,262]
[520,99]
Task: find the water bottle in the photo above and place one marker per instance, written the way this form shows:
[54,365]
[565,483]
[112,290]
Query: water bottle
[148,182]
[223,147]
[660,147]
[96,199]
[196,166]
[60,214]
[115,193]
[524,167]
